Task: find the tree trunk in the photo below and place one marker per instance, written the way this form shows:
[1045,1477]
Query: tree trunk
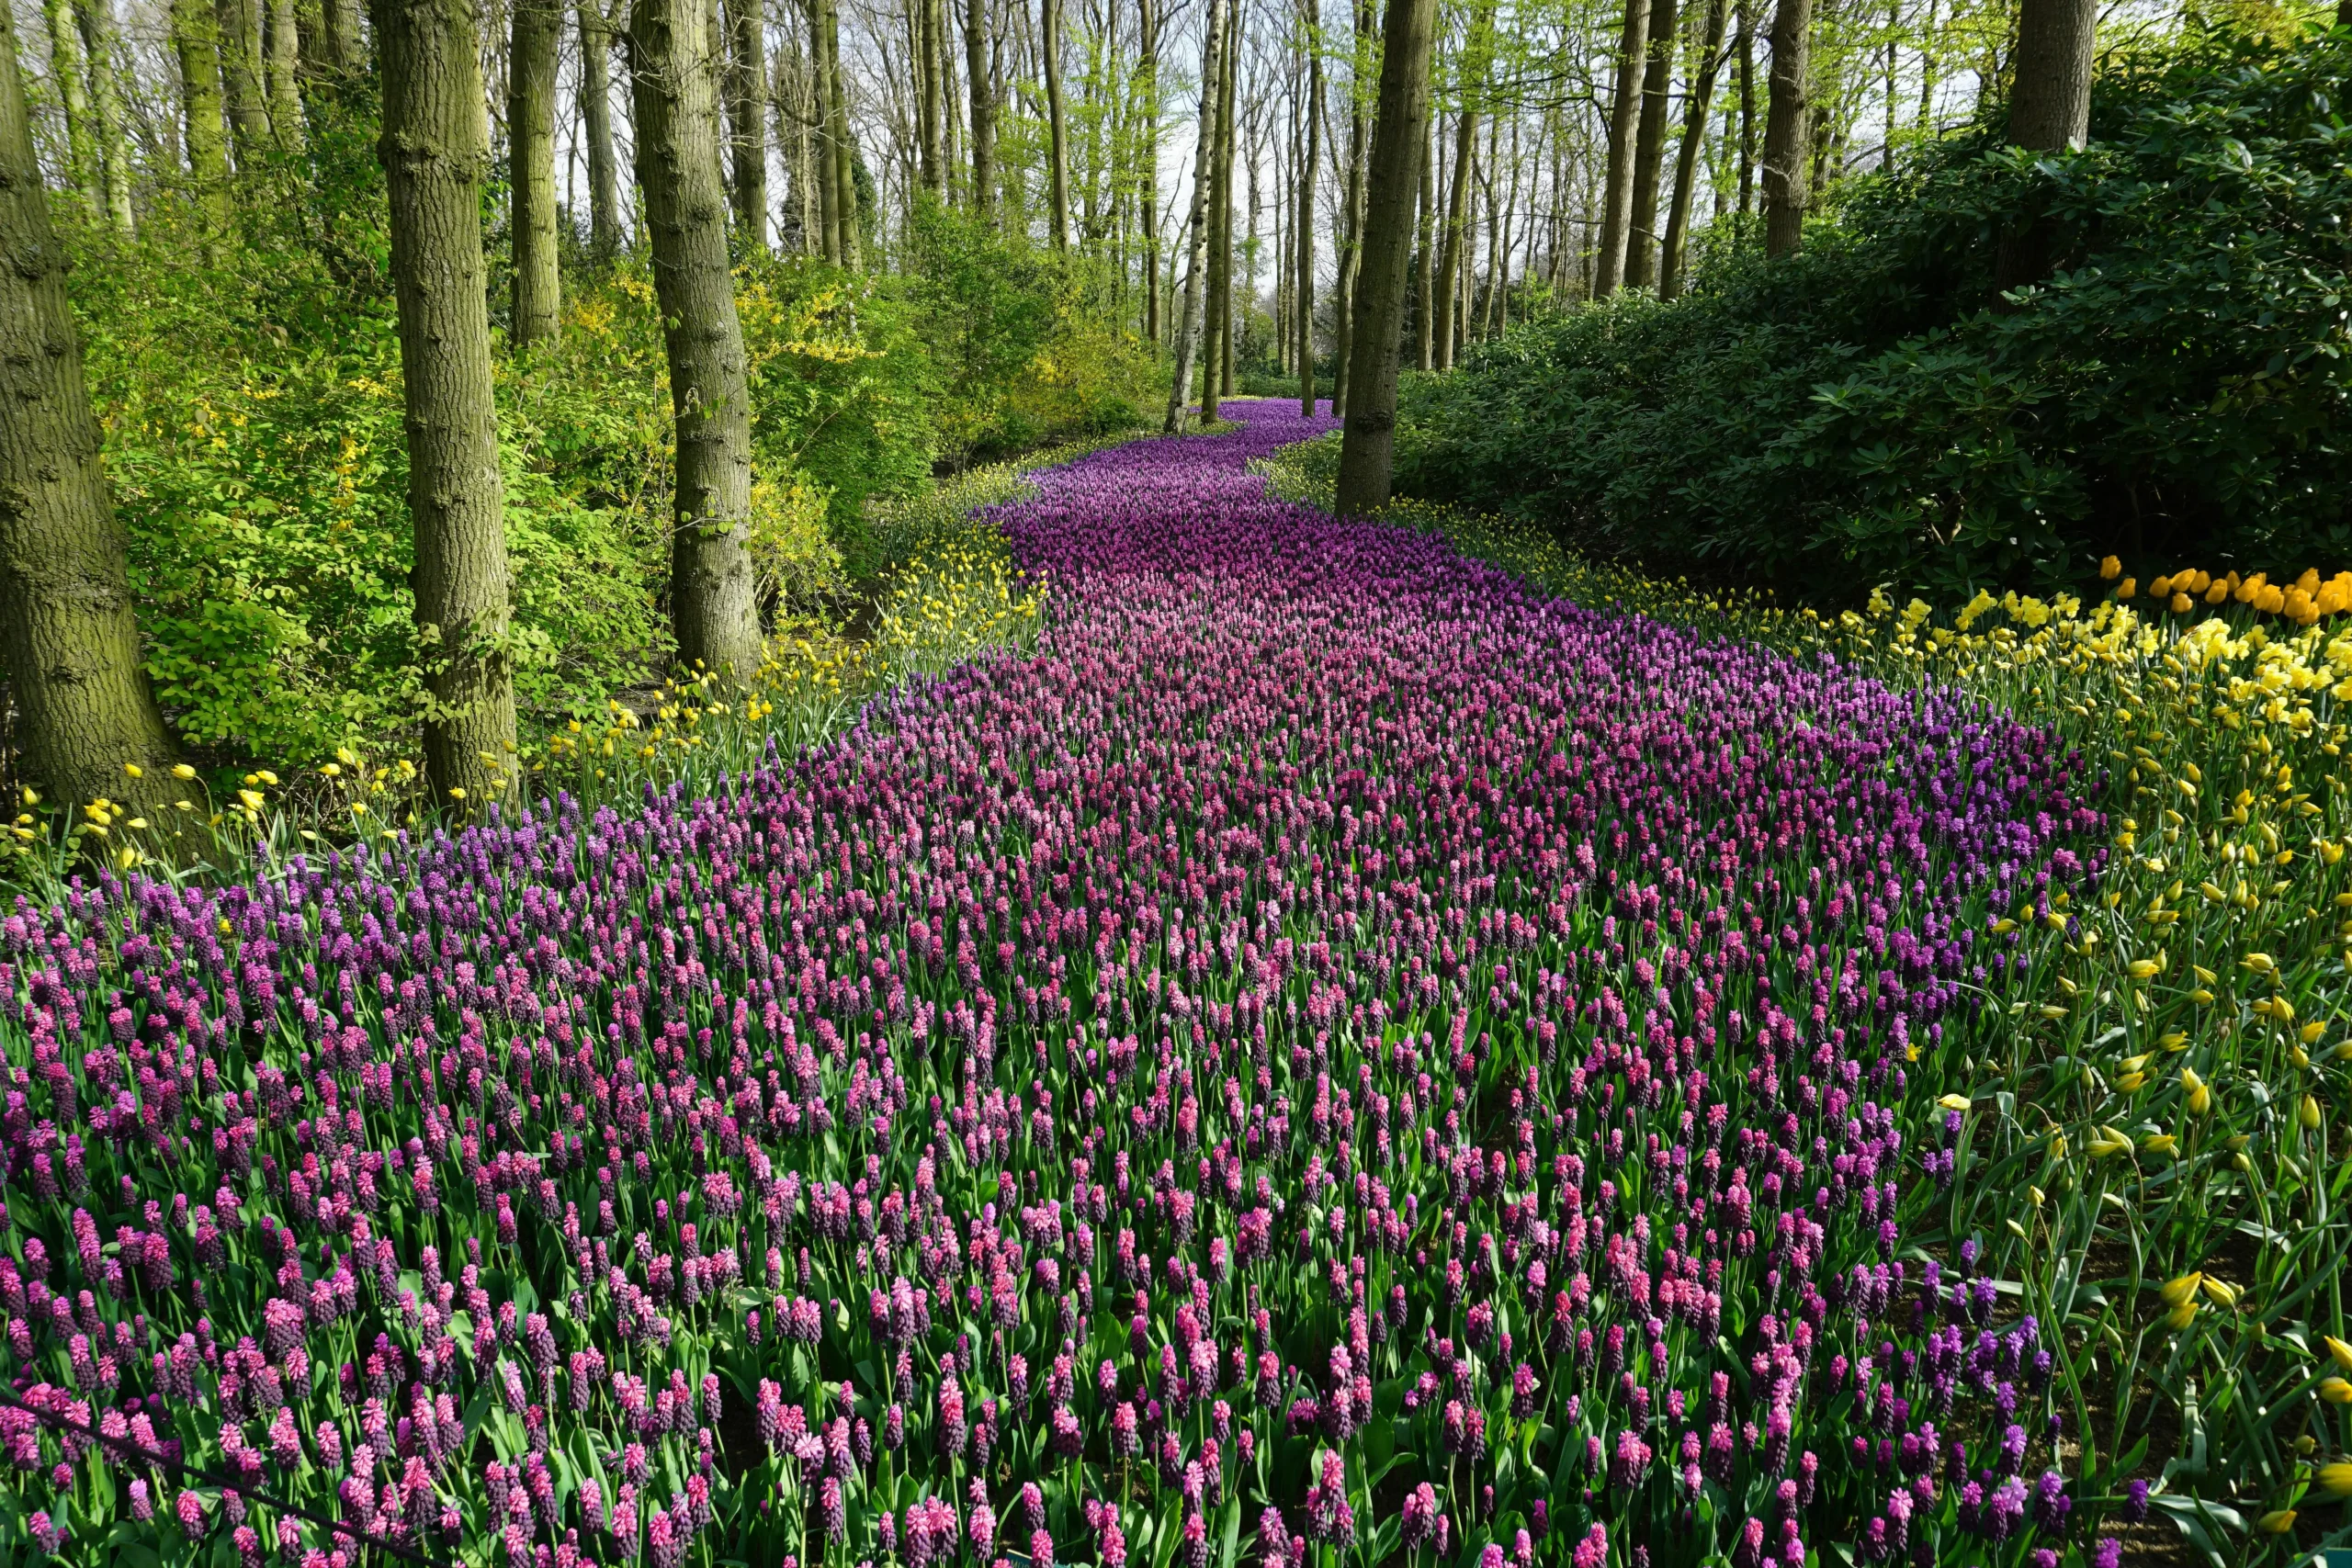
[747,128]
[1787,127]
[1350,234]
[95,19]
[824,165]
[284,63]
[1649,147]
[1058,134]
[1302,307]
[1367,449]
[1457,225]
[838,141]
[713,602]
[1625,118]
[240,24]
[605,235]
[1747,106]
[1188,318]
[1217,305]
[433,153]
[196,39]
[2050,103]
[66,69]
[930,155]
[975,65]
[1686,163]
[1424,260]
[530,170]
[67,628]
[1148,197]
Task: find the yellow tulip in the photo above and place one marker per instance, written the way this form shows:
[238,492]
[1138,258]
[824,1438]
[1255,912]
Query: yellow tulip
[2336,1479]
[2182,1289]
[2181,1316]
[2109,569]
[2278,1521]
[1954,1102]
[2339,1350]
[2219,1292]
[2336,1391]
[182,772]
[2308,1113]
[2160,1143]
[2201,1098]
[2105,1141]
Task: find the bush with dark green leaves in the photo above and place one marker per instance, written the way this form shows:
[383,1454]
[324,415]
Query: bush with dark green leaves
[2169,385]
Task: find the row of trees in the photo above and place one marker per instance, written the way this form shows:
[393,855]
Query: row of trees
[1360,189]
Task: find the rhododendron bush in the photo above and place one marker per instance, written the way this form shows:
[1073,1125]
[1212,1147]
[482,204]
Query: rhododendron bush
[1334,1056]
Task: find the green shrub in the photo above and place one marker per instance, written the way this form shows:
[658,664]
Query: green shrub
[1872,410]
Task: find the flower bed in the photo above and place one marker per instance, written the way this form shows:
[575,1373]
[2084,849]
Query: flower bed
[1334,1052]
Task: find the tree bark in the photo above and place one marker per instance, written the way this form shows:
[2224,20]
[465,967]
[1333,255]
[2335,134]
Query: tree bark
[1424,260]
[846,209]
[1747,106]
[1787,128]
[713,604]
[1625,118]
[1302,307]
[1649,147]
[196,39]
[1218,330]
[67,628]
[746,135]
[1188,320]
[1367,449]
[65,68]
[1350,234]
[95,19]
[433,153]
[1058,134]
[605,232]
[930,163]
[530,170]
[975,65]
[1457,211]
[1686,163]
[284,67]
[240,24]
[2050,105]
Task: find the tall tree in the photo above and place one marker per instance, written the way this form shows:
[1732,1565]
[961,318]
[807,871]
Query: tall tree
[713,602]
[1367,449]
[1302,307]
[931,160]
[1649,146]
[1147,195]
[195,41]
[1747,106]
[1788,124]
[537,29]
[239,23]
[67,629]
[2049,102]
[432,152]
[843,150]
[66,68]
[95,19]
[1056,127]
[1218,324]
[1457,210]
[1686,163]
[1624,121]
[747,121]
[1196,237]
[983,101]
[283,61]
[1424,275]
[605,239]
[1343,298]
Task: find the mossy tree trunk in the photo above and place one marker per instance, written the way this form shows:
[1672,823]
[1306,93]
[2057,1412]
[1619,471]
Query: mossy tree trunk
[747,137]
[983,100]
[605,228]
[1393,179]
[66,70]
[1788,124]
[1310,156]
[1625,129]
[1686,161]
[1196,226]
[1057,132]
[530,175]
[283,60]
[713,602]
[240,84]
[196,39]
[67,628]
[1649,147]
[99,40]
[433,154]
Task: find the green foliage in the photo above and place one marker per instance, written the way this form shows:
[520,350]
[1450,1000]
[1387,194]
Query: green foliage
[2173,390]
[1022,357]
